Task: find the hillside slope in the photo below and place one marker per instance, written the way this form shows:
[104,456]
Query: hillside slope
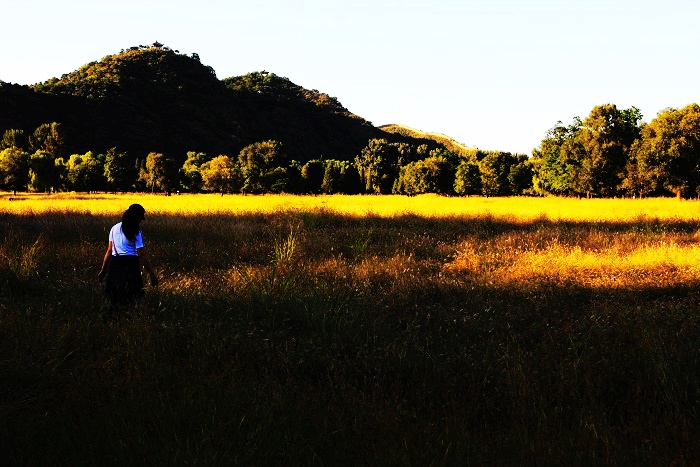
[446,141]
[154,99]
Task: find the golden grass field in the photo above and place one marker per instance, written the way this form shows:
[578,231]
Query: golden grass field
[354,330]
[515,209]
[616,260]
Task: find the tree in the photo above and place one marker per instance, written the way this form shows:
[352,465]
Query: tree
[340,177]
[351,181]
[159,172]
[578,167]
[606,137]
[332,177]
[61,173]
[555,168]
[43,174]
[668,152]
[191,174]
[14,169]
[256,160]
[520,176]
[278,180]
[489,176]
[378,164]
[221,174]
[588,157]
[13,138]
[495,168]
[312,175]
[468,178]
[85,172]
[431,175]
[641,173]
[294,180]
[120,173]
[48,137]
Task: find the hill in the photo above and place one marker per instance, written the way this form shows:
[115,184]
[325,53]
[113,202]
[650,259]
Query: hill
[152,98]
[444,140]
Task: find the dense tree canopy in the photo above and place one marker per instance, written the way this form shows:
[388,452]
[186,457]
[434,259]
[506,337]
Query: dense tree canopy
[85,172]
[43,173]
[258,161]
[378,164]
[48,137]
[119,171]
[667,156]
[607,154]
[191,174]
[159,173]
[468,178]
[13,138]
[221,175]
[589,157]
[605,139]
[14,169]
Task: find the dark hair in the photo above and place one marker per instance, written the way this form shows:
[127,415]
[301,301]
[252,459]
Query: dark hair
[130,221]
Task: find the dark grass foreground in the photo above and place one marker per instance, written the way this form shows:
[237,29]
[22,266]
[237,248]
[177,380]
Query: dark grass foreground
[315,339]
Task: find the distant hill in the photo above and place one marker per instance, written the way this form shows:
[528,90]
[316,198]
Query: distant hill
[150,98]
[446,141]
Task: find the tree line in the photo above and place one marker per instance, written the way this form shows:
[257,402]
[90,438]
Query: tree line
[38,163]
[608,154]
[611,154]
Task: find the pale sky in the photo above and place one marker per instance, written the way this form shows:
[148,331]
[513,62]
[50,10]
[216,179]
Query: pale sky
[492,74]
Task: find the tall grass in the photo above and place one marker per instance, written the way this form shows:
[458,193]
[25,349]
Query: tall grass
[354,330]
[516,209]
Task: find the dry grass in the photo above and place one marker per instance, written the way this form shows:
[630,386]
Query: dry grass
[514,210]
[601,263]
[354,330]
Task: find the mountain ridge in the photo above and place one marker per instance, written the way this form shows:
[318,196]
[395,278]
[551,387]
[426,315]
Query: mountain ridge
[149,98]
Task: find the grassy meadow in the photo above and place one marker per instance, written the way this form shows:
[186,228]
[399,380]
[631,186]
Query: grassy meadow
[354,330]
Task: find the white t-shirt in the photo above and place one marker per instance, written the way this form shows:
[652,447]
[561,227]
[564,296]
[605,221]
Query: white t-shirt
[122,245]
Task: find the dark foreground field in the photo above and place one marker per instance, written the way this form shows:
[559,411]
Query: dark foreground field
[318,339]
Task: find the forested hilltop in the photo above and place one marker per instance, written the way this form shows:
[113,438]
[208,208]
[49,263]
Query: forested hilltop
[151,118]
[153,99]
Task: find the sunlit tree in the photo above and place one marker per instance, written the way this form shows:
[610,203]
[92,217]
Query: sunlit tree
[605,139]
[468,178]
[159,173]
[13,138]
[256,160]
[191,171]
[85,172]
[221,175]
[43,173]
[434,174]
[495,168]
[48,137]
[668,152]
[14,169]
[378,165]
[556,170]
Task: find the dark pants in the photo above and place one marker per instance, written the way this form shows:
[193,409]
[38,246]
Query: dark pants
[123,284]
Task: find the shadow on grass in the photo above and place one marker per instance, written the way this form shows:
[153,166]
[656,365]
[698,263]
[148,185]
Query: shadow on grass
[334,354]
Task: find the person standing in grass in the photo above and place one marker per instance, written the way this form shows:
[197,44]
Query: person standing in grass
[121,266]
